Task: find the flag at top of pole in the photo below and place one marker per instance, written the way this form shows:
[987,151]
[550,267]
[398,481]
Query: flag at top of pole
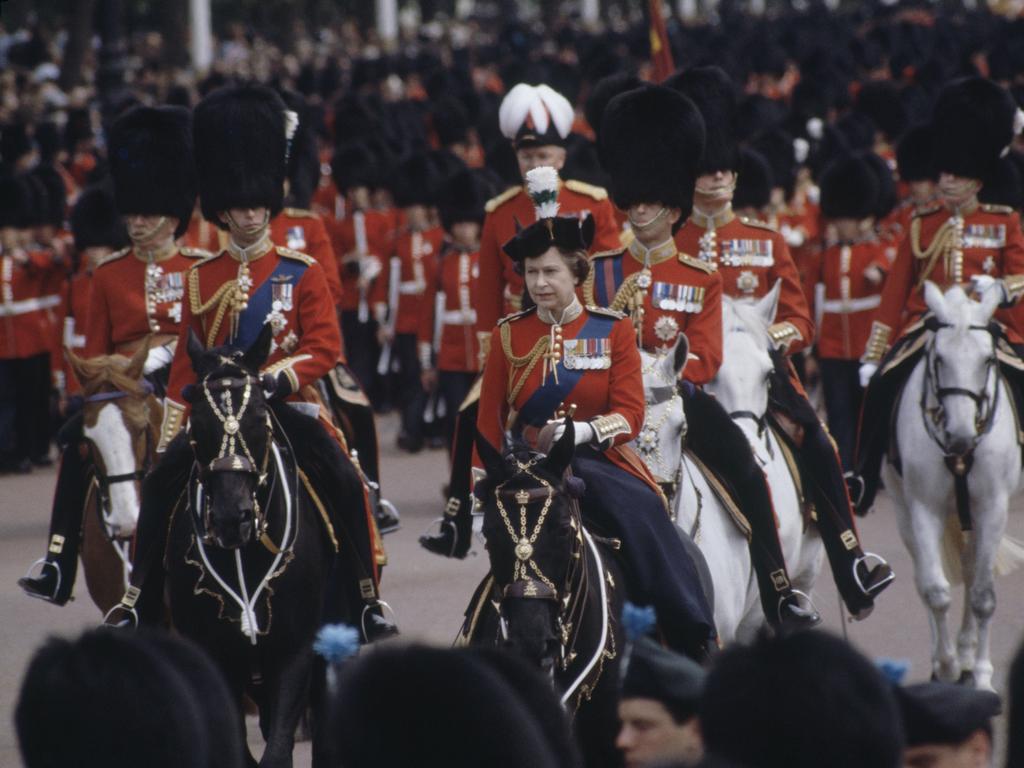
[661,52]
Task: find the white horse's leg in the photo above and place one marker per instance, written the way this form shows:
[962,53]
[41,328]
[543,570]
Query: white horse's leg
[981,593]
[922,531]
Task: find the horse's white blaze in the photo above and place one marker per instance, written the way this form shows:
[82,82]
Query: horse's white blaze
[114,443]
[925,492]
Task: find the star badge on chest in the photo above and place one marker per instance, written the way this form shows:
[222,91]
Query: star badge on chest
[666,328]
[989,265]
[747,282]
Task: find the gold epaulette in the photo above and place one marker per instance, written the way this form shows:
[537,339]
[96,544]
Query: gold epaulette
[114,256]
[605,311]
[626,237]
[603,254]
[590,190]
[496,202]
[993,208]
[288,253]
[703,266]
[927,211]
[300,213]
[516,316]
[757,223]
[195,253]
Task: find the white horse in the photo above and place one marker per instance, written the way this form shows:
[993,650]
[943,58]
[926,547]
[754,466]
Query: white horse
[696,507]
[741,386]
[956,406]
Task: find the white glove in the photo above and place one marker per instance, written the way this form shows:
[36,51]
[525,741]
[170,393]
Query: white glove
[867,370]
[584,432]
[981,284]
[157,358]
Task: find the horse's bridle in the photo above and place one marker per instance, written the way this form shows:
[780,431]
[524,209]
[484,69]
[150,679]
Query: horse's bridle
[103,480]
[234,454]
[984,401]
[528,581]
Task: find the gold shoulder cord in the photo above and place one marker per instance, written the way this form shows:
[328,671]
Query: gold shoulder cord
[225,298]
[529,360]
[938,244]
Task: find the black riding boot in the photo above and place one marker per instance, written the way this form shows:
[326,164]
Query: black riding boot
[858,580]
[722,447]
[456,532]
[56,579]
[143,602]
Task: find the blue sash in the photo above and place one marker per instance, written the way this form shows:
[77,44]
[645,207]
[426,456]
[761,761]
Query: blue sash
[604,293]
[545,400]
[252,320]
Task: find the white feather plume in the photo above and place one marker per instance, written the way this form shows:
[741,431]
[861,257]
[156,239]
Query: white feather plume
[291,124]
[816,128]
[542,185]
[801,149]
[541,104]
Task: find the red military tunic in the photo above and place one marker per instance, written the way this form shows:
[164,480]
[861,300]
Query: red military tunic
[379,230]
[674,294]
[751,256]
[596,360]
[417,254]
[25,329]
[458,349]
[74,317]
[283,287]
[948,250]
[304,231]
[132,298]
[844,299]
[501,288]
[204,235]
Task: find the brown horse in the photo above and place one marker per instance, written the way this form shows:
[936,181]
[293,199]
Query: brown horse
[121,423]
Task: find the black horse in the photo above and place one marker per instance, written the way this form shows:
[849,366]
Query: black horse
[554,593]
[249,552]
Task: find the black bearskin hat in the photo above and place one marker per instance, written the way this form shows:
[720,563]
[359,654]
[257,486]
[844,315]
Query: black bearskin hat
[354,165]
[583,162]
[15,201]
[451,124]
[415,181]
[151,162]
[463,195]
[602,92]
[241,150]
[95,221]
[974,122]
[56,195]
[880,100]
[652,139]
[1004,185]
[849,188]
[887,197]
[914,155]
[304,157]
[715,96]
[754,181]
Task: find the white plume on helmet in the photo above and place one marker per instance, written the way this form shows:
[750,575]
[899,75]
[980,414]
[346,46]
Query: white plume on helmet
[541,103]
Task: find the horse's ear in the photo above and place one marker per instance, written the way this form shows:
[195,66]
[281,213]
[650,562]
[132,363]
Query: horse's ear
[494,464]
[768,304]
[562,451]
[257,354]
[138,362]
[935,300]
[195,349]
[681,354]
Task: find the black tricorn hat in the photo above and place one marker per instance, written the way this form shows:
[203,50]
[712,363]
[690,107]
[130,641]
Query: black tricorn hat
[974,122]
[754,180]
[715,96]
[151,162]
[652,142]
[568,233]
[241,150]
[463,195]
[95,221]
[849,188]
[914,155]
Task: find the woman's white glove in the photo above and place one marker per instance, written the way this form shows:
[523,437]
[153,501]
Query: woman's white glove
[584,432]
[157,358]
[867,370]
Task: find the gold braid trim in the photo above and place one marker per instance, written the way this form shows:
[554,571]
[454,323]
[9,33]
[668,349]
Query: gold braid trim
[228,297]
[943,238]
[528,361]
[608,427]
[878,342]
[1014,287]
[783,333]
[174,415]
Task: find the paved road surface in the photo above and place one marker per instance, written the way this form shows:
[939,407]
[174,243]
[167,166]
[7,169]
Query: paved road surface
[429,592]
